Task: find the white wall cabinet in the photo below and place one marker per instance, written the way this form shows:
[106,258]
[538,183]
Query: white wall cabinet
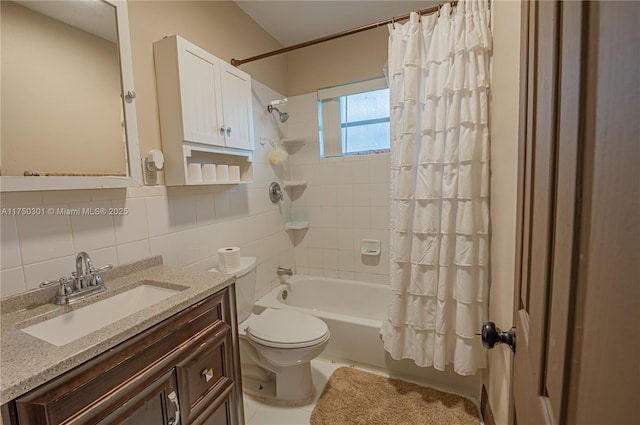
[205,107]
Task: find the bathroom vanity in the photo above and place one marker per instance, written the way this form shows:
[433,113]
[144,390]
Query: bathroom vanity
[175,362]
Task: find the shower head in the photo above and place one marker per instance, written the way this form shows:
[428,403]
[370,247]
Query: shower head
[283,115]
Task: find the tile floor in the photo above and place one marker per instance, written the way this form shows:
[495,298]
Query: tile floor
[256,413]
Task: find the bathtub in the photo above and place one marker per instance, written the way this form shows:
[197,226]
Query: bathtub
[354,312]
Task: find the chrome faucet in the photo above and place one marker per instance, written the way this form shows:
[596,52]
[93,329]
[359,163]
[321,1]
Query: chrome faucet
[84,271]
[284,272]
[85,281]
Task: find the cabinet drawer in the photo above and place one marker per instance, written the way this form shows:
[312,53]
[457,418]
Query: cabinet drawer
[206,375]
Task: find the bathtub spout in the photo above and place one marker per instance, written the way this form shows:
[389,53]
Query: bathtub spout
[284,272]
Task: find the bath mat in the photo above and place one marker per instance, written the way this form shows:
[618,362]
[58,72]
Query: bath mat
[354,397]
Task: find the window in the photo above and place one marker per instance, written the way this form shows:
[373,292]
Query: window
[354,118]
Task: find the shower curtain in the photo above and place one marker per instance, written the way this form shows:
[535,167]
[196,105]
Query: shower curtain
[439,78]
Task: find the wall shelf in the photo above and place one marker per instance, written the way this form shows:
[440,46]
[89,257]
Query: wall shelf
[198,154]
[296,225]
[294,183]
[292,142]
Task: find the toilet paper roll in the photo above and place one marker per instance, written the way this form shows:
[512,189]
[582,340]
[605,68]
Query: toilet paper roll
[222,173]
[194,172]
[228,258]
[234,173]
[209,172]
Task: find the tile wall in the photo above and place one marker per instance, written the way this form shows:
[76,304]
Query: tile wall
[346,200]
[186,225]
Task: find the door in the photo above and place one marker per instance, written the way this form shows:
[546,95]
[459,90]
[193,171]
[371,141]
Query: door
[577,298]
[238,115]
[202,115]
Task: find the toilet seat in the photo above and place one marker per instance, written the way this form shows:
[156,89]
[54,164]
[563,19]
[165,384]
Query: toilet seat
[286,329]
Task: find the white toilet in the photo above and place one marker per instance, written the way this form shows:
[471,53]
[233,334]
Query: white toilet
[276,346]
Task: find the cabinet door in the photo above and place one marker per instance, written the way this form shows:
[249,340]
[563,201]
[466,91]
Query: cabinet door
[220,417]
[238,111]
[155,404]
[202,115]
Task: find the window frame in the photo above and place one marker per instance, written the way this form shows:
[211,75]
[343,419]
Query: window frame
[336,93]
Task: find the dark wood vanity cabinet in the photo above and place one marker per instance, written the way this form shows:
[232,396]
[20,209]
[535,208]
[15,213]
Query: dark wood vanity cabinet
[183,370]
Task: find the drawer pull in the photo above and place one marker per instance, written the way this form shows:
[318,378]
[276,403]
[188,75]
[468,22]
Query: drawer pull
[173,398]
[207,374]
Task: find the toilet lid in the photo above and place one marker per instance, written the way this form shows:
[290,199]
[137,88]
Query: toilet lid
[283,328]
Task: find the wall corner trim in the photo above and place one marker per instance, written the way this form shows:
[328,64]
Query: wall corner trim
[485,408]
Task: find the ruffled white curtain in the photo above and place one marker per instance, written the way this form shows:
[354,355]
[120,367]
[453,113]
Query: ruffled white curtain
[439,77]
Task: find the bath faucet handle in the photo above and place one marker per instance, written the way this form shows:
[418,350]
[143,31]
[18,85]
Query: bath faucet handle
[284,271]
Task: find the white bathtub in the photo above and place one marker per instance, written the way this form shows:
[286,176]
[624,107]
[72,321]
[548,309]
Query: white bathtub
[354,312]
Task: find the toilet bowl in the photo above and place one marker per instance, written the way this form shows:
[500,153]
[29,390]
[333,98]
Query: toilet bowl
[276,346]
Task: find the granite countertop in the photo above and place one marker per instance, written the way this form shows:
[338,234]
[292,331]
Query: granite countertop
[27,362]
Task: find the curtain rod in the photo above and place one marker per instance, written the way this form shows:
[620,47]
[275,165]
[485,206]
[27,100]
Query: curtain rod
[238,62]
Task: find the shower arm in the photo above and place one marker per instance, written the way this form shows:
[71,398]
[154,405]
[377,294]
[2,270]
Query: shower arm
[284,116]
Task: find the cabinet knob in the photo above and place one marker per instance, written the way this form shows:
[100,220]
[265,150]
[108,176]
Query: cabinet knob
[222,131]
[207,374]
[228,131]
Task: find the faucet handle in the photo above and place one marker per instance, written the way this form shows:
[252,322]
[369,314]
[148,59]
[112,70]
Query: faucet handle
[48,283]
[104,268]
[65,288]
[96,277]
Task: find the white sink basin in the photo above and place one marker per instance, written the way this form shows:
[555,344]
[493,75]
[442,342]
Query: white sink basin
[68,327]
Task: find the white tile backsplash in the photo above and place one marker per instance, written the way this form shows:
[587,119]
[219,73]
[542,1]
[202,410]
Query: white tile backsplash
[48,270]
[10,242]
[133,251]
[158,215]
[182,213]
[92,232]
[104,256]
[44,237]
[11,281]
[205,209]
[133,225]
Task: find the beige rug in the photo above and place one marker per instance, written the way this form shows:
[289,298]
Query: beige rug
[354,397]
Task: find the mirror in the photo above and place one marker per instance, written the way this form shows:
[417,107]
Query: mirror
[65,121]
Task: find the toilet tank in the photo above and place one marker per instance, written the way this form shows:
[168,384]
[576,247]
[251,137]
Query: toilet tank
[245,285]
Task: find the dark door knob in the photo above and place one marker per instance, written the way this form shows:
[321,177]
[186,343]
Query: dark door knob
[492,335]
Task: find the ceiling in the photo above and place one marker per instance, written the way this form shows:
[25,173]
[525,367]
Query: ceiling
[292,22]
[95,17]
